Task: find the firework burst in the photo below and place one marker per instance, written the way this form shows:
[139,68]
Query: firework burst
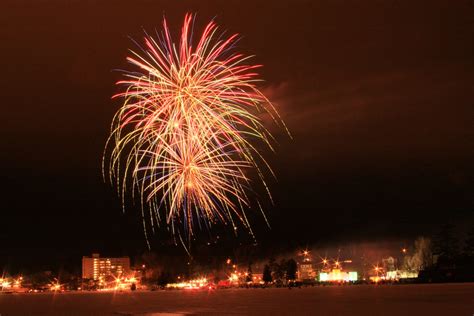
[184,137]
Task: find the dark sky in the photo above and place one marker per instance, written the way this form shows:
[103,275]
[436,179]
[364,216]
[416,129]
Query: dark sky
[377,94]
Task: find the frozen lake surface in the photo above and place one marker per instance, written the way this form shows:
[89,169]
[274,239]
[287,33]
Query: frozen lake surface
[420,299]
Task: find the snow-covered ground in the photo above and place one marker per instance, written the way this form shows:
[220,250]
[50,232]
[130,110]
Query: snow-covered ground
[400,300]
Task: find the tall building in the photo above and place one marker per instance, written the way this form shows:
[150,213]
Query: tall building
[305,268]
[305,271]
[96,267]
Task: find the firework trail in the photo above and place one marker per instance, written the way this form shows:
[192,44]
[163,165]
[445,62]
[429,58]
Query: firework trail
[183,138]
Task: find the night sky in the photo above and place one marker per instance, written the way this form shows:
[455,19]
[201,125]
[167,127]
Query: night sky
[378,97]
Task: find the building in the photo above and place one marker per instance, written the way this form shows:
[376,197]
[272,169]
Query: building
[337,275]
[306,271]
[96,267]
[305,268]
[257,278]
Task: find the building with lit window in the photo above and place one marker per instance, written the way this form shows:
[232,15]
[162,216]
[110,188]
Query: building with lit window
[96,267]
[306,271]
[337,275]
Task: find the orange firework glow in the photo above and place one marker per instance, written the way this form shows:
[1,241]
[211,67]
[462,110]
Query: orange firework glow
[184,136]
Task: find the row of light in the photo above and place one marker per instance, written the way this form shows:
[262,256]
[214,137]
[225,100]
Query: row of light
[191,284]
[6,283]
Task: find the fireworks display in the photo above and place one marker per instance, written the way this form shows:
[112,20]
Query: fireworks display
[187,133]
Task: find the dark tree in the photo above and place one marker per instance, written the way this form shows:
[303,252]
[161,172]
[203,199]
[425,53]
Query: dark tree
[273,266]
[279,271]
[291,268]
[164,278]
[469,244]
[40,279]
[248,278]
[445,244]
[267,274]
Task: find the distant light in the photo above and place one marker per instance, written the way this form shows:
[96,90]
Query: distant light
[336,275]
[352,276]
[55,287]
[323,277]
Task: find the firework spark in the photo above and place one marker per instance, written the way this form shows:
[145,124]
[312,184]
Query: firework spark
[184,137]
